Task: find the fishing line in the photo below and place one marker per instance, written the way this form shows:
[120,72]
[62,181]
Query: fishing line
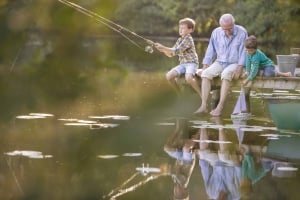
[110,24]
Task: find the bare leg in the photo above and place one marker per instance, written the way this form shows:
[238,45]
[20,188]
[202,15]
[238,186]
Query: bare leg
[284,74]
[171,77]
[194,83]
[206,87]
[203,136]
[224,91]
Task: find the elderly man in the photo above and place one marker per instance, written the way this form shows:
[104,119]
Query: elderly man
[226,46]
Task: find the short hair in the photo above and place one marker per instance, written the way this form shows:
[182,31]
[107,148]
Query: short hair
[226,19]
[189,22]
[251,42]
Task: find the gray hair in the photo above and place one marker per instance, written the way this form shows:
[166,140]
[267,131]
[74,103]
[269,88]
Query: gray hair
[226,19]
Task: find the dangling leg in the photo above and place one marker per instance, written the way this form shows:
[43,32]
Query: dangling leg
[171,77]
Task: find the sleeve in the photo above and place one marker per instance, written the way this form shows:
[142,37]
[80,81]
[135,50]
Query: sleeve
[210,51]
[254,67]
[242,52]
[206,170]
[248,64]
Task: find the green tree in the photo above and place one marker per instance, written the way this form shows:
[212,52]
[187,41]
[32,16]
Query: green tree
[275,23]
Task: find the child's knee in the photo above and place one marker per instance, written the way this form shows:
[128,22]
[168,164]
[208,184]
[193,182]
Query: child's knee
[189,79]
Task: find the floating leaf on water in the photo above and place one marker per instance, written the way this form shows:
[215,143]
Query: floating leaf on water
[236,91]
[166,123]
[86,121]
[77,124]
[287,168]
[29,154]
[42,114]
[116,117]
[235,126]
[102,125]
[215,126]
[212,141]
[107,156]
[198,126]
[132,154]
[29,117]
[148,169]
[280,91]
[269,135]
[199,122]
[69,120]
[252,129]
[273,138]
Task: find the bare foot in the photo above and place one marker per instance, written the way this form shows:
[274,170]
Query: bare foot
[285,74]
[215,113]
[201,110]
[288,74]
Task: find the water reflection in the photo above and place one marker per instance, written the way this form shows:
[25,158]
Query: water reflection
[181,147]
[175,158]
[219,164]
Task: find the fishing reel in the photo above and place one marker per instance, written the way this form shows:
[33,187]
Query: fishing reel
[149,49]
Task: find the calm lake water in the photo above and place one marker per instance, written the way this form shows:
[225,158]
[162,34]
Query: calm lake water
[124,134]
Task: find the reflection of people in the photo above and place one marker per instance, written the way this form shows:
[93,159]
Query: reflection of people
[256,60]
[252,172]
[188,58]
[227,45]
[180,147]
[220,167]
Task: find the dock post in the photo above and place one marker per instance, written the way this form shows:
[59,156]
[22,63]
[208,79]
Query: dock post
[247,97]
[215,98]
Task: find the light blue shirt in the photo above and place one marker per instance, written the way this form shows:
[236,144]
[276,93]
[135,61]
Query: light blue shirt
[226,50]
[221,177]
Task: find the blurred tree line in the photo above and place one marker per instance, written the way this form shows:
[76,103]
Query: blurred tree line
[57,27]
[58,51]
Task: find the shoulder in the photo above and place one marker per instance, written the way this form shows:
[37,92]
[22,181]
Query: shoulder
[189,37]
[216,33]
[240,28]
[260,53]
[217,30]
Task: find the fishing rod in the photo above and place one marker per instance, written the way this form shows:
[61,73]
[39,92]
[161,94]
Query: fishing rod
[110,24]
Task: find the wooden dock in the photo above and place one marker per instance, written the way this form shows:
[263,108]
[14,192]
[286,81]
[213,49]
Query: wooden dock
[278,83]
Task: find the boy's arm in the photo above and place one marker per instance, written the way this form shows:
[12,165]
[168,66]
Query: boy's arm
[166,50]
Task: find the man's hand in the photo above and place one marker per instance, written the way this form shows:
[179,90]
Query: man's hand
[204,66]
[238,72]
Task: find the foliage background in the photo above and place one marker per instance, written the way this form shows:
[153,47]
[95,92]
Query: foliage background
[51,52]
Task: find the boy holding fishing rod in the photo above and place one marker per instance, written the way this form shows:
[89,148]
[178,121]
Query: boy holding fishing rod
[185,49]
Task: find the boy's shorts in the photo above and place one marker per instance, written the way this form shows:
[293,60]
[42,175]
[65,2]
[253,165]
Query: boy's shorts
[186,68]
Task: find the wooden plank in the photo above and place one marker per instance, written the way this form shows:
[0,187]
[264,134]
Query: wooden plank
[278,83]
